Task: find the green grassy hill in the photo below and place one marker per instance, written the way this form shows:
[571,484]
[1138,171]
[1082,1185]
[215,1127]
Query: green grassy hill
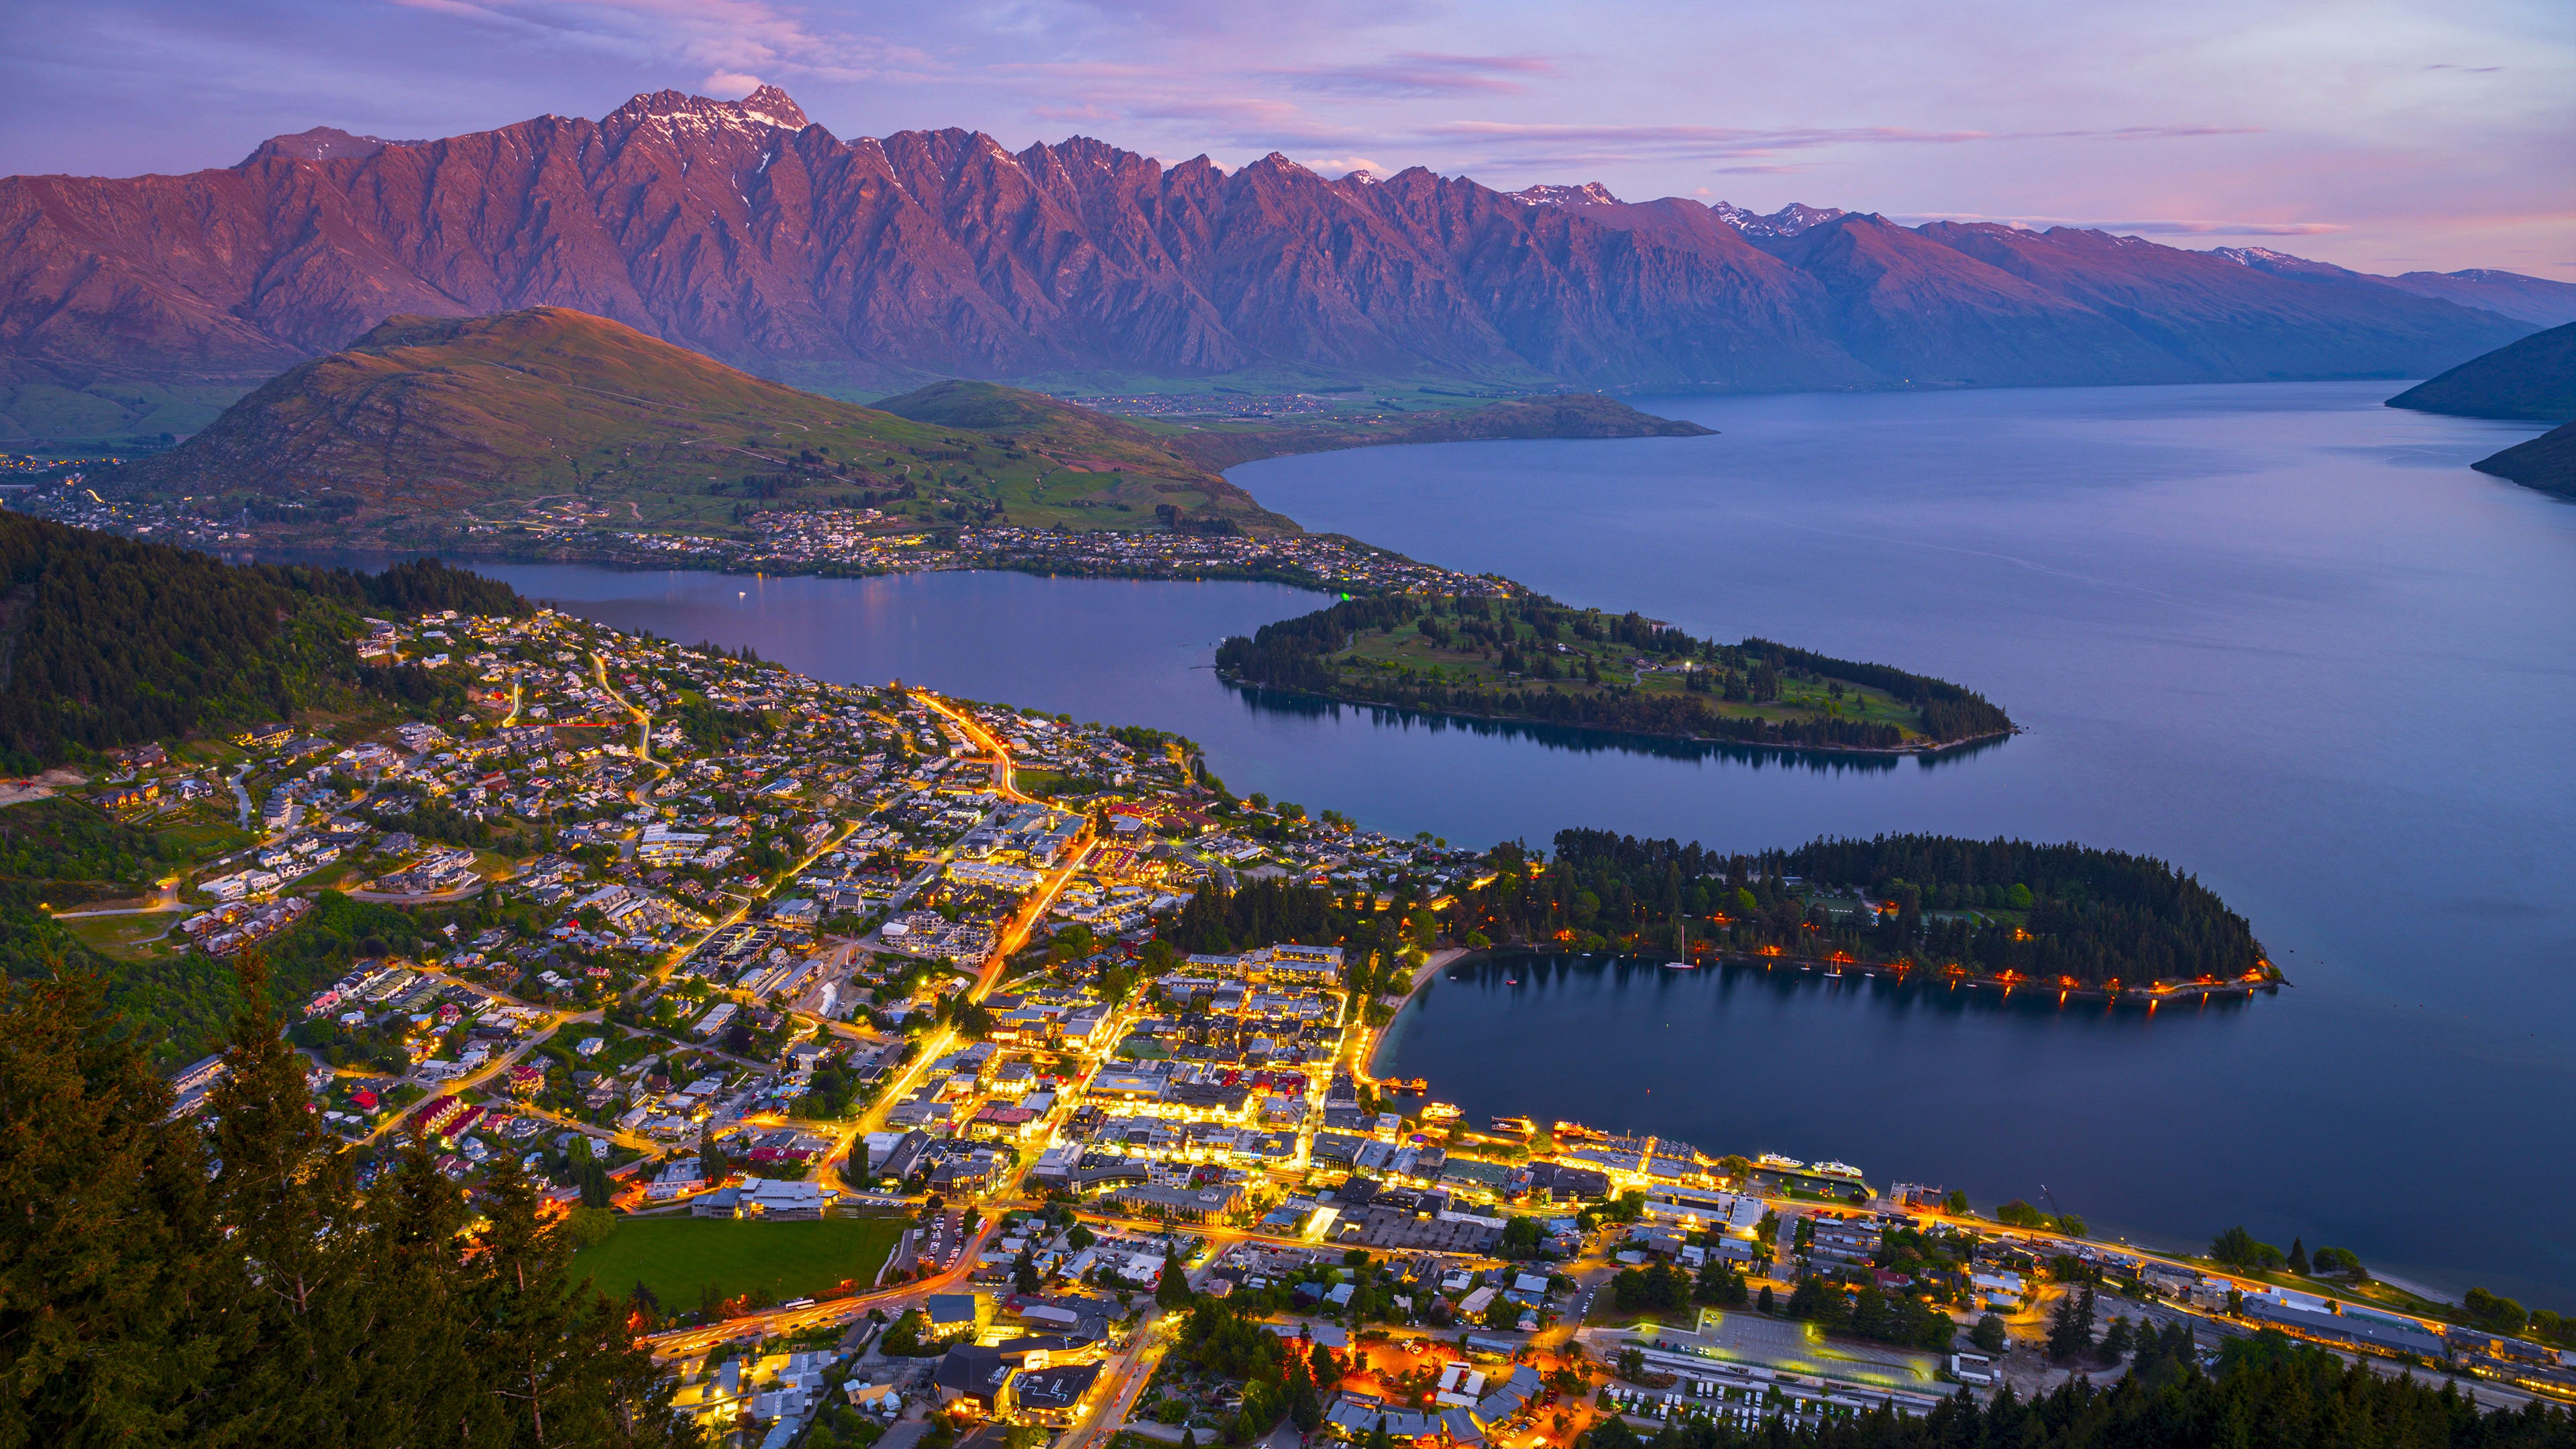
[432,423]
[1574,415]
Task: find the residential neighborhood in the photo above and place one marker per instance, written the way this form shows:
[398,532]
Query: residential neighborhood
[710,948]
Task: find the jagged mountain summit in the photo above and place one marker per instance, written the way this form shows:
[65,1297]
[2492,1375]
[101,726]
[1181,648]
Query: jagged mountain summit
[1787,221]
[743,231]
[1591,193]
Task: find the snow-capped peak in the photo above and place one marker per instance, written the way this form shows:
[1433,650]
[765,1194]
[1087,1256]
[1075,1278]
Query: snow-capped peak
[1590,193]
[1787,221]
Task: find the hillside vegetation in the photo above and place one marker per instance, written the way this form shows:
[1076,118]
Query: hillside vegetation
[2547,462]
[1575,415]
[106,641]
[2533,379]
[428,426]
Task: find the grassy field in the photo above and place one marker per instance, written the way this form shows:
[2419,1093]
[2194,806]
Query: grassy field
[126,938]
[678,1258]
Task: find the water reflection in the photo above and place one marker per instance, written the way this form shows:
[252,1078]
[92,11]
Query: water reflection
[1575,739]
[1526,980]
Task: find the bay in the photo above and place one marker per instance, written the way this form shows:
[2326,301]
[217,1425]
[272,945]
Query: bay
[2277,634]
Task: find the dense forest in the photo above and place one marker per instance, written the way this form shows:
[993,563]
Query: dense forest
[62,852]
[106,641]
[1511,668]
[224,1281]
[2049,912]
[2266,1391]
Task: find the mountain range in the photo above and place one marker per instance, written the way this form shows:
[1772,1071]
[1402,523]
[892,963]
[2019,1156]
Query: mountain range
[743,231]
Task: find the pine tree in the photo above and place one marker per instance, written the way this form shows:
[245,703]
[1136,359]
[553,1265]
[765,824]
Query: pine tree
[1172,1289]
[2299,1257]
[1320,1366]
[2117,1341]
[170,1283]
[2070,1325]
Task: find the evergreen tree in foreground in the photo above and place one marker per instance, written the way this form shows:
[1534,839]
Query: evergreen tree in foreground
[167,1283]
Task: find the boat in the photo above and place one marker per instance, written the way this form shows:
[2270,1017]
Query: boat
[1441,1112]
[1522,1125]
[1680,966]
[1836,1169]
[1774,1159]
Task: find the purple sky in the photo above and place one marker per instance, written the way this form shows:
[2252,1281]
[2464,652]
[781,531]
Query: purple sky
[2384,136]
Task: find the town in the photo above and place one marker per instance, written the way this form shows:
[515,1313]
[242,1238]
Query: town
[1037,1067]
[842,542]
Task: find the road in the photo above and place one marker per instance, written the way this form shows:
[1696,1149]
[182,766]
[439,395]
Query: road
[165,897]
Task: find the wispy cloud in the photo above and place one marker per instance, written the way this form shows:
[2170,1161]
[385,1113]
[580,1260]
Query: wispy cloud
[1414,74]
[1341,165]
[1746,141]
[735,38]
[2152,226]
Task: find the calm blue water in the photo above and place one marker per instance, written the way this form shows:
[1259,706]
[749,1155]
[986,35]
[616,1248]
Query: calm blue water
[2280,635]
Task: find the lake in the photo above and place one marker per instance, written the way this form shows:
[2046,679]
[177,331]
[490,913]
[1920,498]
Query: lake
[2277,634]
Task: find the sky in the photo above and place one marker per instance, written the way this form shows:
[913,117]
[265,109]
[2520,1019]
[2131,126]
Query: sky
[2382,136]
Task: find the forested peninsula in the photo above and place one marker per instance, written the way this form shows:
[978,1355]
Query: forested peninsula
[1523,656]
[2063,917]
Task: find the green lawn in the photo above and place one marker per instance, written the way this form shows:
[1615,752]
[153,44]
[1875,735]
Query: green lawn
[678,1257]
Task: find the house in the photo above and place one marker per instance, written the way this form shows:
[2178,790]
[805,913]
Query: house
[943,1314]
[971,1371]
[1049,1394]
[884,1401]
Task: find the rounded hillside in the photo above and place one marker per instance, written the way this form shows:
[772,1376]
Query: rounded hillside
[466,421]
[2531,380]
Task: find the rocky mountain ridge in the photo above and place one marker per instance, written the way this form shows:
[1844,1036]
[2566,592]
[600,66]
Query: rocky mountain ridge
[742,231]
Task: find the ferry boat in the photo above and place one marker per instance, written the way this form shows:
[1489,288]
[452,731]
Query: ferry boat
[1774,1159]
[1836,1169]
[1441,1112]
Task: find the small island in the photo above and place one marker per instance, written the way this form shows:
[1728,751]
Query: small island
[1517,655]
[2068,919]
